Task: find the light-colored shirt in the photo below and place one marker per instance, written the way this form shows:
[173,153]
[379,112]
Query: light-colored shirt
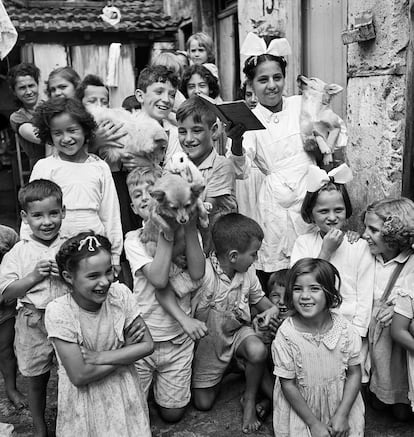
[162,326]
[21,260]
[356,268]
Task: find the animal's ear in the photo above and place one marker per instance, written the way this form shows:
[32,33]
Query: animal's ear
[197,189]
[302,81]
[158,195]
[333,89]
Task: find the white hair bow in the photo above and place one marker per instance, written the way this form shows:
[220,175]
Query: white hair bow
[317,178]
[253,45]
[89,240]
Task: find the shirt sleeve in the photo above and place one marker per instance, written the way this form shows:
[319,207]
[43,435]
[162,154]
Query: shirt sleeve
[17,119]
[109,213]
[60,323]
[136,253]
[223,179]
[365,290]
[9,268]
[404,305]
[300,250]
[284,365]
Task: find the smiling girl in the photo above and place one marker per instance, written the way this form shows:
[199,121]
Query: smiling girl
[88,188]
[278,153]
[98,334]
[317,359]
[62,82]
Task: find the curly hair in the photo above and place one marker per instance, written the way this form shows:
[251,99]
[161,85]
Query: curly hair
[79,247]
[67,73]
[204,73]
[251,64]
[326,275]
[398,217]
[49,109]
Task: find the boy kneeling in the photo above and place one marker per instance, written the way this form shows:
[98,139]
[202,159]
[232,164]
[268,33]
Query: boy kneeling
[229,288]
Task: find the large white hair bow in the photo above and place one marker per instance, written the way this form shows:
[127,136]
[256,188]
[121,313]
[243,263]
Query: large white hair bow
[253,45]
[317,178]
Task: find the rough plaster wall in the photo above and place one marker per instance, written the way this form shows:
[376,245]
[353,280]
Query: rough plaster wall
[376,102]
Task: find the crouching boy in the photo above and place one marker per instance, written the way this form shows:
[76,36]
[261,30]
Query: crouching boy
[229,288]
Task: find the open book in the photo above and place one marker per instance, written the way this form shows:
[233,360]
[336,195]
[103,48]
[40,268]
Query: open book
[233,113]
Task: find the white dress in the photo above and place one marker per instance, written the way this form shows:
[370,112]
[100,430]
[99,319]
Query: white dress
[89,195]
[114,405]
[278,153]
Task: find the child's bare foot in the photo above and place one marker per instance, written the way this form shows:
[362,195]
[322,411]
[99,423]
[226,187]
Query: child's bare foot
[250,421]
[16,398]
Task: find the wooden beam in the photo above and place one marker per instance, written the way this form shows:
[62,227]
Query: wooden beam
[408,152]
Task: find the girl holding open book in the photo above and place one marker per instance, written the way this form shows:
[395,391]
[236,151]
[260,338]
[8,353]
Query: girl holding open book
[277,151]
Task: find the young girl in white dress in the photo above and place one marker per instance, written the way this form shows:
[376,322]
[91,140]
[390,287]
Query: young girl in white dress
[317,359]
[388,228]
[328,206]
[98,334]
[89,193]
[277,151]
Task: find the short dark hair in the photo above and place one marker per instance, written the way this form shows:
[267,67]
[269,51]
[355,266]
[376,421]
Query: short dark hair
[310,200]
[235,231]
[156,73]
[39,189]
[67,73]
[278,278]
[204,73]
[78,248]
[251,64]
[325,274]
[130,103]
[195,108]
[89,80]
[23,69]
[49,109]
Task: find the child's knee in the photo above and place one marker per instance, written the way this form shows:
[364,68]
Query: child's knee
[255,350]
[203,399]
[172,415]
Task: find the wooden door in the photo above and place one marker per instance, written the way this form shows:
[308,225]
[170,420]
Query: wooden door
[324,55]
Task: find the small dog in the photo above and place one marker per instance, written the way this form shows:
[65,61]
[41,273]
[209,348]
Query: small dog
[145,136]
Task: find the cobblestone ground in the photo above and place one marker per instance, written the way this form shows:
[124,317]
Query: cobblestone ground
[224,420]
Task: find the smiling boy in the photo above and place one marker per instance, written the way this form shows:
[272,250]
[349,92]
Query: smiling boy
[29,273]
[197,128]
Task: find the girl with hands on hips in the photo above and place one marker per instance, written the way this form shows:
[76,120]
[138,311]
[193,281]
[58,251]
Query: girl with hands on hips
[317,359]
[98,334]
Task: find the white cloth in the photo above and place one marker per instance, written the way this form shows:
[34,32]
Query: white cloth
[8,33]
[278,153]
[21,260]
[112,78]
[356,268]
[162,326]
[174,145]
[89,196]
[114,405]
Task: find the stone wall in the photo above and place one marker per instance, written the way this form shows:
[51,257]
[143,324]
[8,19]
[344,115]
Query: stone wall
[376,102]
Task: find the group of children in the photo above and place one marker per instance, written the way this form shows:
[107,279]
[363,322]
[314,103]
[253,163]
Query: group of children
[323,298]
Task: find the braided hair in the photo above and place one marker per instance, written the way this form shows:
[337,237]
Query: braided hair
[79,247]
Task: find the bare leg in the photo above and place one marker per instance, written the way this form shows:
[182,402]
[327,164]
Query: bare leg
[171,415]
[254,352]
[8,365]
[37,402]
[203,398]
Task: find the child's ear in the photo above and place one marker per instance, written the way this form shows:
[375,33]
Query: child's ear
[233,256]
[23,215]
[139,95]
[158,195]
[133,208]
[214,130]
[67,277]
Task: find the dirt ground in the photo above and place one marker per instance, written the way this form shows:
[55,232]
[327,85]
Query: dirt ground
[224,420]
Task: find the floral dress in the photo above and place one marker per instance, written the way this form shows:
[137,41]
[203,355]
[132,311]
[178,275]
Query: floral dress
[319,364]
[114,405]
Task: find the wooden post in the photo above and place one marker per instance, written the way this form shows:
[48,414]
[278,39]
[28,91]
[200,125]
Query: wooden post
[408,153]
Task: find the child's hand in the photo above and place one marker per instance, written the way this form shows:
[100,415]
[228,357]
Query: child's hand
[352,236]
[135,332]
[263,319]
[274,324]
[54,269]
[319,429]
[90,357]
[43,269]
[339,425]
[235,131]
[109,134]
[131,162]
[194,328]
[332,240]
[385,314]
